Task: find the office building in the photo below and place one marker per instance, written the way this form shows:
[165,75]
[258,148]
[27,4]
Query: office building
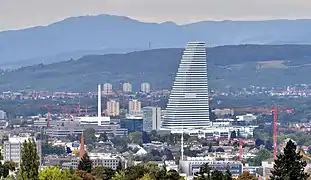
[134,107]
[99,159]
[188,106]
[145,87]
[12,149]
[132,124]
[127,87]
[107,89]
[113,108]
[191,165]
[151,118]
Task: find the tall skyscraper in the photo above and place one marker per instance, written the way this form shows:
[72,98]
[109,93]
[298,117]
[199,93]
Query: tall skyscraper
[151,118]
[134,107]
[188,105]
[107,89]
[127,87]
[145,87]
[113,108]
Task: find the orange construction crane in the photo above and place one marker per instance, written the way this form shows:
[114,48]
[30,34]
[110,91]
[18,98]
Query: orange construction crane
[275,112]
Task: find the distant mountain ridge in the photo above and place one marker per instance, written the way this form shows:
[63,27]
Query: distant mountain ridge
[78,36]
[228,66]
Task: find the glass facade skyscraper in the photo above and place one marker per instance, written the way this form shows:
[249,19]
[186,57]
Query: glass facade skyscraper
[188,105]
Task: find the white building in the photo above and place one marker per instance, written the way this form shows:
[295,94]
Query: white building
[12,149]
[113,108]
[127,87]
[145,87]
[107,89]
[188,105]
[134,107]
[151,119]
[100,159]
[191,165]
[2,114]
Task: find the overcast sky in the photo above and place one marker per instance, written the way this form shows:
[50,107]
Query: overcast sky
[17,14]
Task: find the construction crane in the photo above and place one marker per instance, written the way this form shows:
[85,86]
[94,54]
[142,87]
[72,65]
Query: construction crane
[275,112]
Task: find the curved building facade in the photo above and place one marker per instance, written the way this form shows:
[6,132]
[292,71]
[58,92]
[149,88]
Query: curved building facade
[188,105]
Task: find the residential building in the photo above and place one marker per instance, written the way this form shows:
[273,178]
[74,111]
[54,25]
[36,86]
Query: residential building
[134,107]
[113,108]
[151,118]
[107,89]
[12,149]
[188,105]
[2,114]
[145,87]
[127,87]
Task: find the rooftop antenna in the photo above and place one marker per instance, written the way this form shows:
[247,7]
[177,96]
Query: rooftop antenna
[99,105]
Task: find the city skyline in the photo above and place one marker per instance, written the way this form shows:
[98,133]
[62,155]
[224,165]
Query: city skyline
[16,15]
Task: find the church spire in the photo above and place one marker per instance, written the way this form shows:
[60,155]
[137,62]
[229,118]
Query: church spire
[82,150]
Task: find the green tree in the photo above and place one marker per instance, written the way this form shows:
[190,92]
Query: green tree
[85,164]
[289,165]
[204,173]
[262,154]
[83,175]
[246,176]
[136,137]
[103,173]
[228,175]
[89,136]
[50,173]
[217,175]
[233,134]
[29,167]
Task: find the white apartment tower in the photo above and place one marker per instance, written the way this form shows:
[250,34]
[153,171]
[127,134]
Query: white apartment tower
[134,107]
[113,108]
[188,105]
[151,118]
[107,89]
[145,87]
[127,87]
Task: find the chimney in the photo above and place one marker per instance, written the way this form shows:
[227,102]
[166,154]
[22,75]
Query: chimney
[99,105]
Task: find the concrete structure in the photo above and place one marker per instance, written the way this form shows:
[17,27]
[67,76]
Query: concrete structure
[100,159]
[151,118]
[190,166]
[145,87]
[134,107]
[107,89]
[113,108]
[188,105]
[3,114]
[127,87]
[12,149]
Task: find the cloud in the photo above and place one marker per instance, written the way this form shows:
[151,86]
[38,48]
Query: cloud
[15,14]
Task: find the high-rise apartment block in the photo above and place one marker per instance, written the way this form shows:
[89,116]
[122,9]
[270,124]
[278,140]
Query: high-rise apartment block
[127,87]
[145,87]
[113,108]
[107,89]
[12,149]
[188,105]
[134,107]
[151,118]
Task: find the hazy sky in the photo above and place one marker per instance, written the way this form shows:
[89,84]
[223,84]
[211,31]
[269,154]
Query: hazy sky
[16,14]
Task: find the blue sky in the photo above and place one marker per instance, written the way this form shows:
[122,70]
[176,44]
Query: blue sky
[18,14]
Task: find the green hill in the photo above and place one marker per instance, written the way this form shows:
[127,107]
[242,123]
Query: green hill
[236,66]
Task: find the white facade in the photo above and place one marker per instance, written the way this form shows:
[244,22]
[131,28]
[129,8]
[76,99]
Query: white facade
[12,149]
[134,107]
[100,121]
[127,87]
[151,119]
[113,108]
[107,89]
[100,159]
[145,87]
[188,105]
